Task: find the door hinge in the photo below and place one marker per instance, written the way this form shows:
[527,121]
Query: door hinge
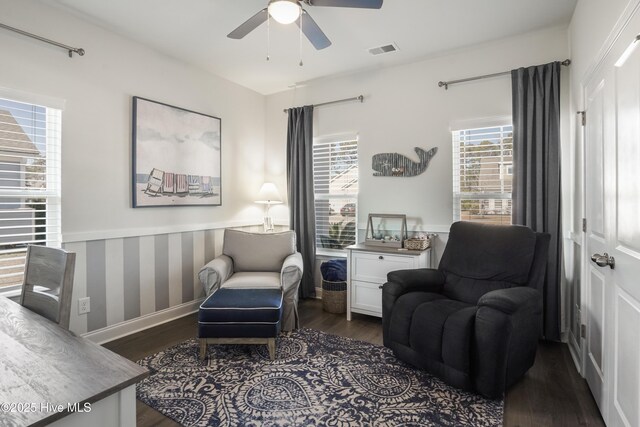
[584,117]
[584,225]
[583,331]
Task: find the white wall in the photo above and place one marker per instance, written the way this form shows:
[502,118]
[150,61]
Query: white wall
[96,143]
[404,108]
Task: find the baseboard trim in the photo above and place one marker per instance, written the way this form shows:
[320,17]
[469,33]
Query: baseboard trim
[141,323]
[574,351]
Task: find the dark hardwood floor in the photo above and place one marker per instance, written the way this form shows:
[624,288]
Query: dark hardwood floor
[551,394]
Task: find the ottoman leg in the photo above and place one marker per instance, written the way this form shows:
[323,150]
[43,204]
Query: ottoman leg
[203,348]
[271,343]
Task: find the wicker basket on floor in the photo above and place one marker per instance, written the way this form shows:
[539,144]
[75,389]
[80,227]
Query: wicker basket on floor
[334,297]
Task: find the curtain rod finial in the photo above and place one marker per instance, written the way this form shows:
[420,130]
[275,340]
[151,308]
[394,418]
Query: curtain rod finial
[445,84]
[566,62]
[79,51]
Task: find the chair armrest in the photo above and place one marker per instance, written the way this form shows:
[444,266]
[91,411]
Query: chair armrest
[401,282]
[420,279]
[511,300]
[290,276]
[215,273]
[507,327]
[291,271]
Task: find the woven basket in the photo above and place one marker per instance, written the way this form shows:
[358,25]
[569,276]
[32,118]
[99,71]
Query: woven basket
[417,244]
[334,297]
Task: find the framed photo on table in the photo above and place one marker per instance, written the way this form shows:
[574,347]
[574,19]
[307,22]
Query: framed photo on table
[176,156]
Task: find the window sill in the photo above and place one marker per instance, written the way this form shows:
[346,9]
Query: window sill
[331,253]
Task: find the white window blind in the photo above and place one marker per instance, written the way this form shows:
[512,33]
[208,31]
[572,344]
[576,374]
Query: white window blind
[335,183]
[482,173]
[29,183]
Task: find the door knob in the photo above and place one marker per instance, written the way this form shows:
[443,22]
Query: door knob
[604,260]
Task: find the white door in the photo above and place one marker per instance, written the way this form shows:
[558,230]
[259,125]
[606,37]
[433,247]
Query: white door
[595,277]
[613,217]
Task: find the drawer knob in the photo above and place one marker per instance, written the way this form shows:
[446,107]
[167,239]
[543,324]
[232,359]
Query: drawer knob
[380,287]
[380,257]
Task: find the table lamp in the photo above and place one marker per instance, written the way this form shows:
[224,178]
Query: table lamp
[268,196]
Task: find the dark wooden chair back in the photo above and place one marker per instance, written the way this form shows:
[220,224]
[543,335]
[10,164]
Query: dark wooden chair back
[48,283]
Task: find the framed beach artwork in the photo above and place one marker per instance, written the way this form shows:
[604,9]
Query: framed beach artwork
[176,156]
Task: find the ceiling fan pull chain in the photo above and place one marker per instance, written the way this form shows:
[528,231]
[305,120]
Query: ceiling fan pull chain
[300,38]
[268,34]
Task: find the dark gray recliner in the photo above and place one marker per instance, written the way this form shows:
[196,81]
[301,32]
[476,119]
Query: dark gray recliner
[475,321]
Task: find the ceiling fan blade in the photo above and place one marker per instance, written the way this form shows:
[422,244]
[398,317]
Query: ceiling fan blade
[363,4]
[310,29]
[249,25]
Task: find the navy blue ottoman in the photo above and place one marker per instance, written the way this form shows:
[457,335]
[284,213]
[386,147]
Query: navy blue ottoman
[240,316]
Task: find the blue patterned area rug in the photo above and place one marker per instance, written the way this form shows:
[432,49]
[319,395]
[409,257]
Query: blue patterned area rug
[317,379]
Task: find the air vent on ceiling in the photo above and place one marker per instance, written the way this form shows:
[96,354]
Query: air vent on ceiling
[384,49]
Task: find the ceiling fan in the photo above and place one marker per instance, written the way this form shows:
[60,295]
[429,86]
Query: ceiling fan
[289,11]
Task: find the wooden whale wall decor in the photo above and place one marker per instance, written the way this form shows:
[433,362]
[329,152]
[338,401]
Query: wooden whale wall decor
[394,164]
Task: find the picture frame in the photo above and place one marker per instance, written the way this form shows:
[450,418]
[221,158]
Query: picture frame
[176,156]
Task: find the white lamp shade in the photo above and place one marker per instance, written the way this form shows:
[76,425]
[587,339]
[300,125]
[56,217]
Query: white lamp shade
[269,194]
[284,11]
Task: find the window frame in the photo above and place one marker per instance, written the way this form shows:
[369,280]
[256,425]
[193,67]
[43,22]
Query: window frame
[326,140]
[478,126]
[51,193]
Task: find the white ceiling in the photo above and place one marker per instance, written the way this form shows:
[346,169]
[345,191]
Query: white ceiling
[195,31]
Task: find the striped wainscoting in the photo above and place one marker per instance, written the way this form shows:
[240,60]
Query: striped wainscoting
[131,278]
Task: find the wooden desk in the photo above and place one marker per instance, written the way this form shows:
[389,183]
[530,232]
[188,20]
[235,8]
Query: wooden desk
[44,369]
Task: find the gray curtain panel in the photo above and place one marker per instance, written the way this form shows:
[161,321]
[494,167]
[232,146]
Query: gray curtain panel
[536,179]
[302,215]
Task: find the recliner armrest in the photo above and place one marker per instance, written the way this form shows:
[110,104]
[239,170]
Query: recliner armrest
[420,279]
[401,282]
[215,273]
[511,300]
[507,327]
[291,271]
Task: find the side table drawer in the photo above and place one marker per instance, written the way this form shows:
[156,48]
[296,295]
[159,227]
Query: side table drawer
[373,267]
[366,296]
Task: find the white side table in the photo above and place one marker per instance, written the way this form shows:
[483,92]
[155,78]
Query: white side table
[367,268]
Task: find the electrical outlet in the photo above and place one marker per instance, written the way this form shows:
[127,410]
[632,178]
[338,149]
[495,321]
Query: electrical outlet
[84,305]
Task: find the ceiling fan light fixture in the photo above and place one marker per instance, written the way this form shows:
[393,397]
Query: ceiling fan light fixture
[284,11]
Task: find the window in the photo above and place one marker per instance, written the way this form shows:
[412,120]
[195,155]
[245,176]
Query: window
[482,173]
[29,183]
[335,184]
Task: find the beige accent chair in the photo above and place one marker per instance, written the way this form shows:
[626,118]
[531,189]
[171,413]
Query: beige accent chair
[258,261]
[48,283]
